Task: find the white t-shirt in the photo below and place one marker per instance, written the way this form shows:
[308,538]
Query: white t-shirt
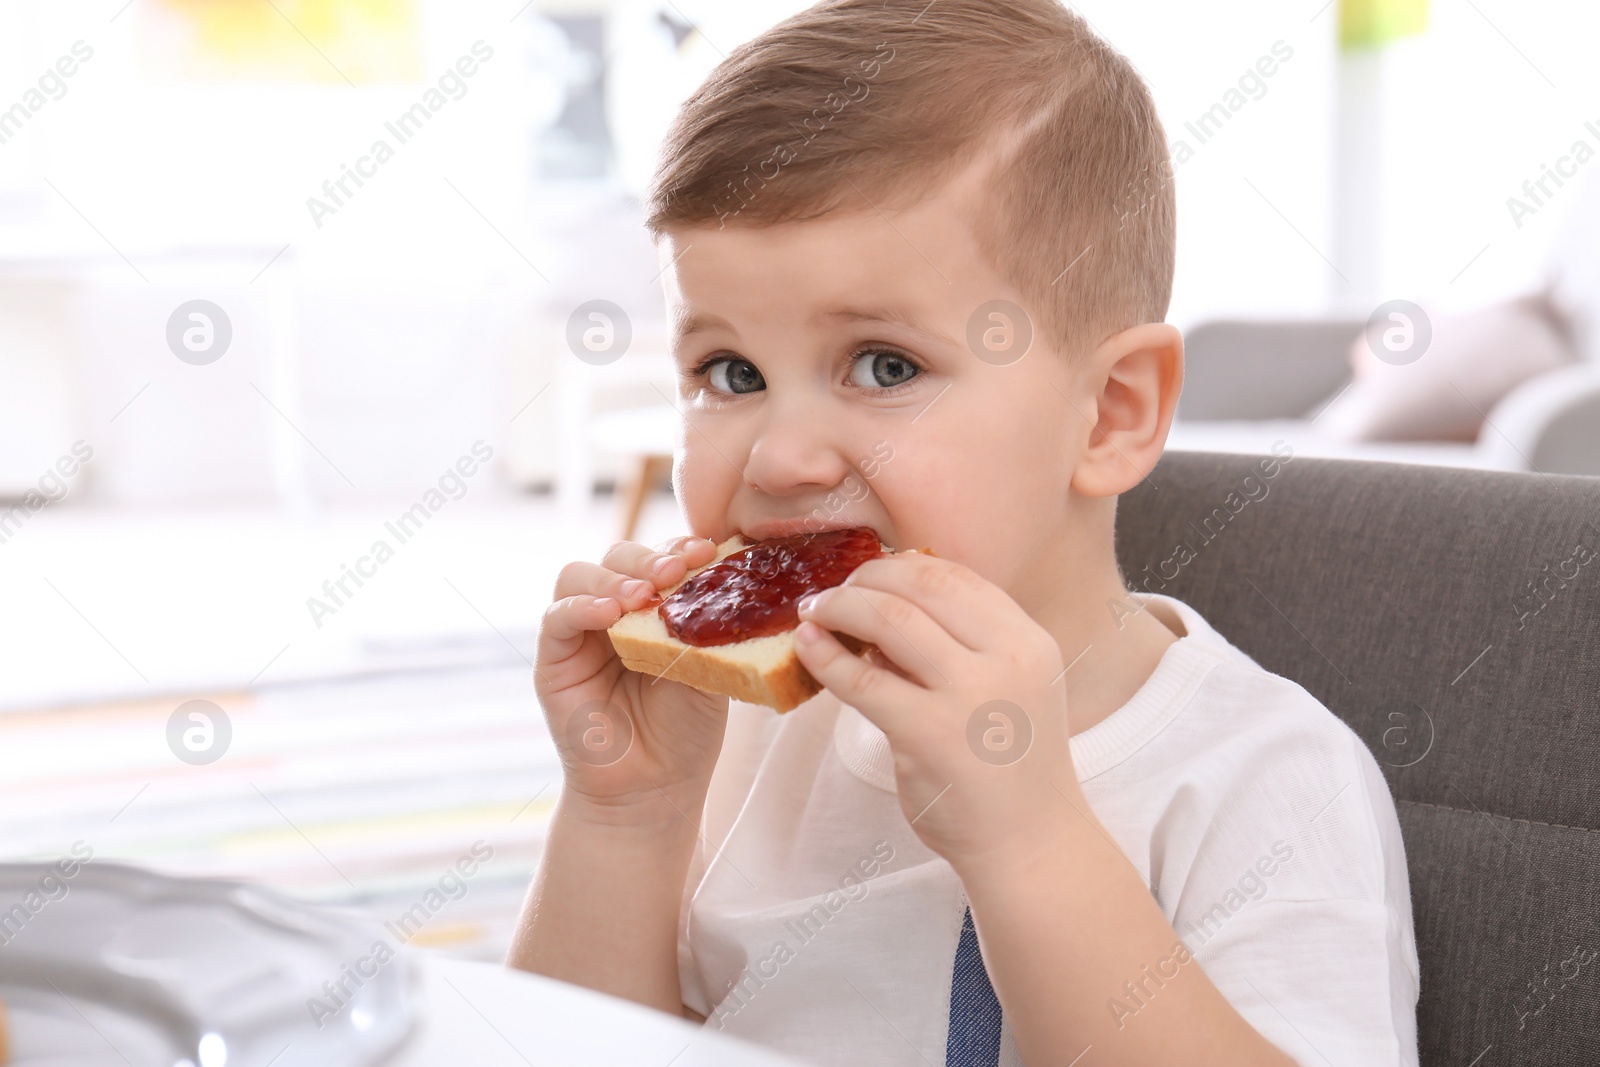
[815,922]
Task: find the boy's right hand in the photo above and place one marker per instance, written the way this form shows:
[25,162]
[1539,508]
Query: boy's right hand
[629,742]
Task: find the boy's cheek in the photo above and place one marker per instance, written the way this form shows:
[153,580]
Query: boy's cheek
[705,484]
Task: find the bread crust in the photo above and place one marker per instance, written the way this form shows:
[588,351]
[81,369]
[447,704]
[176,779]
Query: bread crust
[783,686]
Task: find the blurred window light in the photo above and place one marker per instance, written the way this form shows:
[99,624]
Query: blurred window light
[360,42]
[1366,23]
[578,144]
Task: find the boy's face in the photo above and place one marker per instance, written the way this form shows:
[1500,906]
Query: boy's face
[846,392]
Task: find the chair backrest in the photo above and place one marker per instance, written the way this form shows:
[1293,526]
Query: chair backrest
[1452,618]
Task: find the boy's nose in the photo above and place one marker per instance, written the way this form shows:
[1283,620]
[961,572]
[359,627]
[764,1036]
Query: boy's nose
[796,453]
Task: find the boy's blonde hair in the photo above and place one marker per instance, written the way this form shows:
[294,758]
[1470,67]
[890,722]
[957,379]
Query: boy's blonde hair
[863,104]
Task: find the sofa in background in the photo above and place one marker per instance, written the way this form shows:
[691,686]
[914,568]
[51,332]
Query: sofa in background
[1250,383]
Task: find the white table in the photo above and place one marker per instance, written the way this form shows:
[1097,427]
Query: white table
[491,1016]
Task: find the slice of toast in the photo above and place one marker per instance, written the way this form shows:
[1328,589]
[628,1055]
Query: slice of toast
[761,670]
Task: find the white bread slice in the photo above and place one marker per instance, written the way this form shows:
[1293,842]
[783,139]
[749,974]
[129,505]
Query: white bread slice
[762,670]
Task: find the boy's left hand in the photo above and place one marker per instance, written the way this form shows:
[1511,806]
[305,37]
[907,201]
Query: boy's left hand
[973,702]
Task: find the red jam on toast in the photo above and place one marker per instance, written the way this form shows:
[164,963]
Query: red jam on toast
[755,592]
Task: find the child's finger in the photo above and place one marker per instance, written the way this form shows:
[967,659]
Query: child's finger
[963,603]
[583,578]
[694,549]
[562,630]
[922,649]
[881,696]
[662,566]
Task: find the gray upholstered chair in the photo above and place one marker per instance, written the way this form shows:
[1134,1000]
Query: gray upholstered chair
[1452,618]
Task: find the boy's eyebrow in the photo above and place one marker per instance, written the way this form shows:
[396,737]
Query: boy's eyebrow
[687,323]
[880,314]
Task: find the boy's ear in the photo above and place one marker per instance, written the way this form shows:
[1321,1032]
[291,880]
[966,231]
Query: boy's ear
[1132,383]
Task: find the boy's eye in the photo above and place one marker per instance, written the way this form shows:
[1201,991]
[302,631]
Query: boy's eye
[732,375]
[878,368]
[872,369]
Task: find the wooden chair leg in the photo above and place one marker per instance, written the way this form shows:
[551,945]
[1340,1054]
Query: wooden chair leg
[646,472]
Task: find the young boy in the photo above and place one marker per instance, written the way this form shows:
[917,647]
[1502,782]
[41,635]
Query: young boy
[917,259]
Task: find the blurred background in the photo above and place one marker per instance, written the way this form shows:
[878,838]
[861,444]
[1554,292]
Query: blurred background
[329,332]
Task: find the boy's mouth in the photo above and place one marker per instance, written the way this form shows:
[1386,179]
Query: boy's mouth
[765,529]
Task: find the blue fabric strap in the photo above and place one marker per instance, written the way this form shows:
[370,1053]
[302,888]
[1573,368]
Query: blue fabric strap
[974,1009]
